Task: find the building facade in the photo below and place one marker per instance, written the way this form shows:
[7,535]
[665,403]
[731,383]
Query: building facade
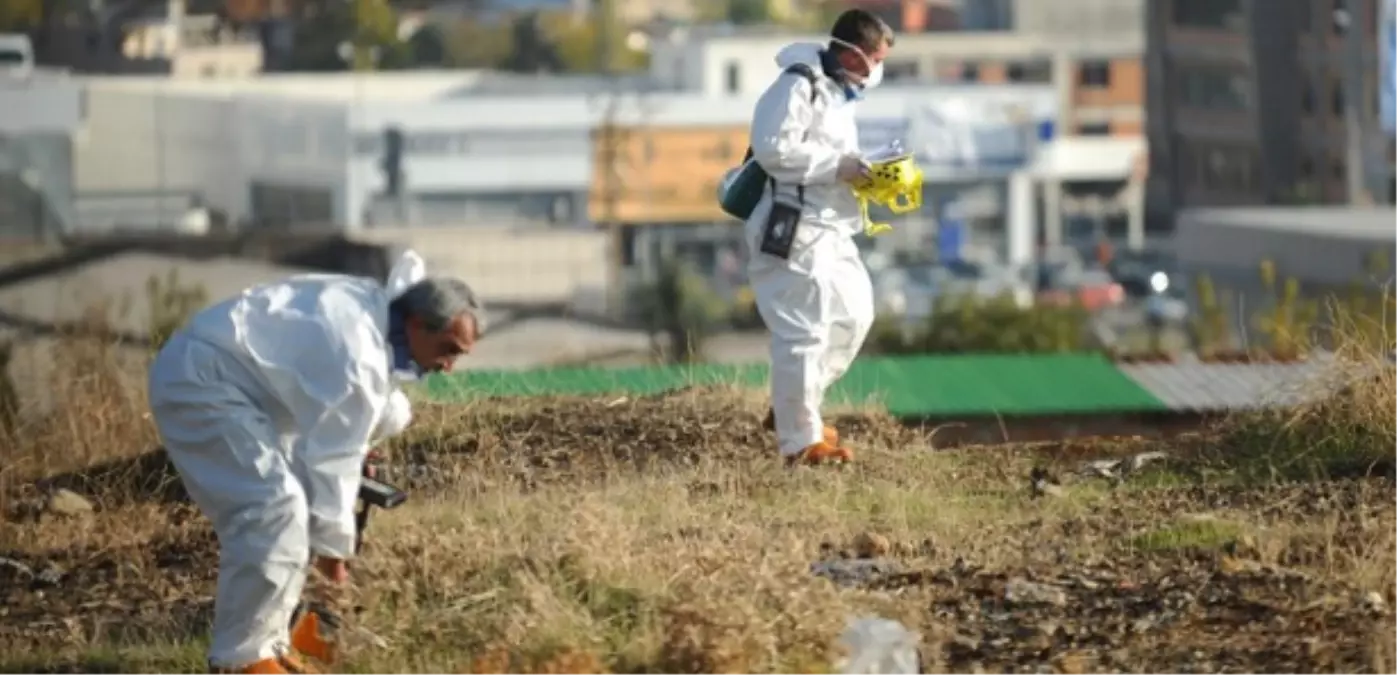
[1248,102]
[42,112]
[1099,79]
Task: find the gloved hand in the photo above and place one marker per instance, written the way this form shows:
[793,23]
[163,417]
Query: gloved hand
[852,169]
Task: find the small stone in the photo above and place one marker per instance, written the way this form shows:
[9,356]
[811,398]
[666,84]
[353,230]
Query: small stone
[1046,489]
[50,577]
[871,545]
[13,568]
[1373,602]
[854,572]
[1023,592]
[65,502]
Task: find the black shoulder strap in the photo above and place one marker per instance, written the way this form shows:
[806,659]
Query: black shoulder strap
[804,70]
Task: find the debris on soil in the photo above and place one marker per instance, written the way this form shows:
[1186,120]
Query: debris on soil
[69,504]
[1042,483]
[1022,596]
[877,645]
[857,572]
[871,545]
[1019,591]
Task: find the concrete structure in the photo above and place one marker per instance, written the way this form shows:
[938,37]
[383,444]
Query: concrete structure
[41,112]
[1247,102]
[1319,246]
[1097,76]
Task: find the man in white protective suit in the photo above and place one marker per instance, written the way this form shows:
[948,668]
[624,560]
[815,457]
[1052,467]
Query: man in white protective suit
[268,403]
[812,289]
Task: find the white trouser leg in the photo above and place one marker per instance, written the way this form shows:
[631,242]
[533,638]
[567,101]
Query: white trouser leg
[794,306]
[851,315]
[228,454]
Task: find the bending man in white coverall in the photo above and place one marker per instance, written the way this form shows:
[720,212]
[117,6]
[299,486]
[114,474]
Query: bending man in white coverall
[267,404]
[811,287]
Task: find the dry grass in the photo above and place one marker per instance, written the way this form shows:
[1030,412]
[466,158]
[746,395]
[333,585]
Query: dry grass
[661,534]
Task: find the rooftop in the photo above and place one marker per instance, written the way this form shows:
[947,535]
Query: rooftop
[962,44]
[1378,224]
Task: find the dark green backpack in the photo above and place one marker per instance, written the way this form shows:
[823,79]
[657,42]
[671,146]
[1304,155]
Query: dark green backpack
[740,197]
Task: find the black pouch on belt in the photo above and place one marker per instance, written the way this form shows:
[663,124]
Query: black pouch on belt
[779,235]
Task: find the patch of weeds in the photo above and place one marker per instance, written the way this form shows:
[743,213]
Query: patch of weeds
[184,657]
[1189,535]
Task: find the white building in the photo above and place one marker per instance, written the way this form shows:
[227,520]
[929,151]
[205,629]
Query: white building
[306,149]
[735,61]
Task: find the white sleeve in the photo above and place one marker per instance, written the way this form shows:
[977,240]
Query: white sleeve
[783,116]
[341,394]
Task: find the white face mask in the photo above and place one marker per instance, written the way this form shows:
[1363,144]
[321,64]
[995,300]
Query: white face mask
[875,77]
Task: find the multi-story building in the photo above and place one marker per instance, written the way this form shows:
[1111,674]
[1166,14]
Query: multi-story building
[1098,78]
[1247,102]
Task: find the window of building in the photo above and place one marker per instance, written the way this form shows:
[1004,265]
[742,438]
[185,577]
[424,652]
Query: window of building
[733,78]
[1094,129]
[970,72]
[1207,13]
[1095,74]
[1338,170]
[1307,98]
[1336,99]
[1340,17]
[1221,167]
[1307,168]
[1213,88]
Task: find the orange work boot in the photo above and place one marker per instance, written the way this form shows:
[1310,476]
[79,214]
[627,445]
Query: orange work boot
[821,453]
[308,637]
[286,663]
[831,435]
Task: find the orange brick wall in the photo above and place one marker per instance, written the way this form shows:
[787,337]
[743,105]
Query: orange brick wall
[1127,86]
[1125,128]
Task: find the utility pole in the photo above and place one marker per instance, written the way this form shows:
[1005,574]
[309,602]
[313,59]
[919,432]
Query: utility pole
[1354,103]
[610,140]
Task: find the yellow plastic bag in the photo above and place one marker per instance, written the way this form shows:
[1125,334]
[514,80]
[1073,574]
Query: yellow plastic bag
[895,183]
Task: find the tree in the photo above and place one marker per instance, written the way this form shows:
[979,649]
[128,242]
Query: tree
[370,27]
[20,16]
[533,51]
[749,12]
[577,48]
[470,44]
[427,47]
[681,305]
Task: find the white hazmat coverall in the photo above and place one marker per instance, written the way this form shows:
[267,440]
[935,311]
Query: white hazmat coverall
[818,304]
[266,404]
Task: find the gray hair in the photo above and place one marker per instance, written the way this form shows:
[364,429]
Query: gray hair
[437,301]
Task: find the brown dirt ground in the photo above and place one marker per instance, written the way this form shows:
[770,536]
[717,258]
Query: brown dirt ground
[1288,590]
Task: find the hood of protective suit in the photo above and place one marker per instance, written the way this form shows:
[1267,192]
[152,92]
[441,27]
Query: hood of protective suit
[807,53]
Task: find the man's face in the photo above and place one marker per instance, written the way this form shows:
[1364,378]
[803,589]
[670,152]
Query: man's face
[858,64]
[437,351]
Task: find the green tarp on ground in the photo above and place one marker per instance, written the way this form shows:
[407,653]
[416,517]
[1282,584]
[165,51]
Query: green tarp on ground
[906,386]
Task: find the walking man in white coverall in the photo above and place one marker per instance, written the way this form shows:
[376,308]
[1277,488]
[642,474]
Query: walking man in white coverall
[268,403]
[811,287]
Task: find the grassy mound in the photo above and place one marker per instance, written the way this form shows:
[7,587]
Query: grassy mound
[661,534]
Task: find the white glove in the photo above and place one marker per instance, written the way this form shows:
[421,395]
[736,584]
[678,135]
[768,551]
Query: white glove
[852,168]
